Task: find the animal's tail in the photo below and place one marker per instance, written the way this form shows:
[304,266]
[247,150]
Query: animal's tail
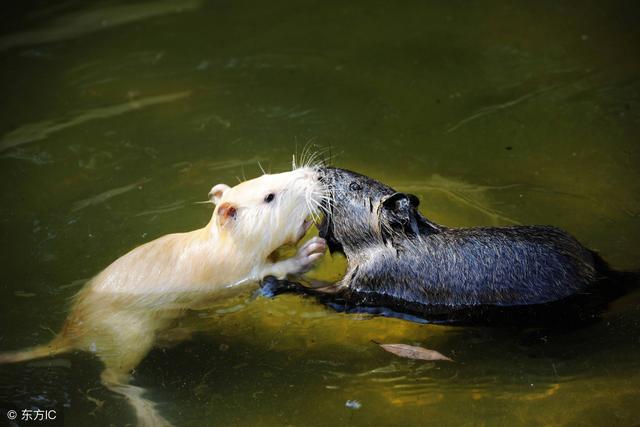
[614,284]
[56,346]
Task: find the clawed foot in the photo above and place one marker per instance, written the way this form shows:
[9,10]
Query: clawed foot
[311,252]
[303,261]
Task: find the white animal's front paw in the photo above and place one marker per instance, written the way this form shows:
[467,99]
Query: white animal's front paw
[310,253]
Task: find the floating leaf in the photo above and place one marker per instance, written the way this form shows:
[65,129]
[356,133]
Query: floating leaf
[413,352]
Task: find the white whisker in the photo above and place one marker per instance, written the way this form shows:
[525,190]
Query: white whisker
[261,168]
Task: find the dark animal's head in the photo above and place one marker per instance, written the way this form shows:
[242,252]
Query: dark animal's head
[364,212]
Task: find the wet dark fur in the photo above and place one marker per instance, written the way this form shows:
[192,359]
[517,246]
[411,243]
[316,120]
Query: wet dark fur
[400,263]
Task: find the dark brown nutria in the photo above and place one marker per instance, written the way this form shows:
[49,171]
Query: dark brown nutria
[401,263]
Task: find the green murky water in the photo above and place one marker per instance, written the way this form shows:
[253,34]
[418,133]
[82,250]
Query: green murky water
[118,116]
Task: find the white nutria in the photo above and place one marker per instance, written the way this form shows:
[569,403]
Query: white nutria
[120,313]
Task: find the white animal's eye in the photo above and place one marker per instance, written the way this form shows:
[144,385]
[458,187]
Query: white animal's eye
[269,198]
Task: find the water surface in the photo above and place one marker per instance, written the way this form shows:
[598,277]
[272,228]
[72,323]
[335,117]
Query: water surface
[117,117]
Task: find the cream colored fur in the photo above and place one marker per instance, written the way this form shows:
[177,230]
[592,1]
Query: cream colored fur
[120,313]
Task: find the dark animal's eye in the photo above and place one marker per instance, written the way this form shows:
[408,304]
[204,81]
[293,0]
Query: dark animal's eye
[269,198]
[354,186]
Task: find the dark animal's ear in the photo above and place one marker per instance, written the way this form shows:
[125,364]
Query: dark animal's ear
[400,201]
[415,202]
[401,212]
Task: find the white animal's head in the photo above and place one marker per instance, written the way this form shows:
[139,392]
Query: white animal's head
[269,211]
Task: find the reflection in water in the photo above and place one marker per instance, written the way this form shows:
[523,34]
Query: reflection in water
[103,197]
[470,196]
[92,20]
[475,197]
[41,130]
[173,206]
[492,109]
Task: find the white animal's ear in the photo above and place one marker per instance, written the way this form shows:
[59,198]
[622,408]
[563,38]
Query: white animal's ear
[216,192]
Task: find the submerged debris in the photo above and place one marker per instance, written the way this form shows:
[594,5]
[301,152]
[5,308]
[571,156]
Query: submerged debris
[353,404]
